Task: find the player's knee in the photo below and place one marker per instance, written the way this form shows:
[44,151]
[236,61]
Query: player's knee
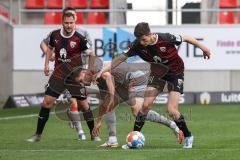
[135,112]
[47,103]
[171,111]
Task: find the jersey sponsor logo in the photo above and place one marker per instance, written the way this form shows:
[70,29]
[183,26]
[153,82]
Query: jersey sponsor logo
[63,56]
[157,59]
[163,49]
[73,44]
[56,41]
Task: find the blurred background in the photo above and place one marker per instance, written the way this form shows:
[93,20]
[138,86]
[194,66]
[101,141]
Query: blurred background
[24,23]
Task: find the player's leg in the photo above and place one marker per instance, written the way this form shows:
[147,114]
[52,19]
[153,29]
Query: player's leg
[43,116]
[172,108]
[110,118]
[73,114]
[88,116]
[150,94]
[153,116]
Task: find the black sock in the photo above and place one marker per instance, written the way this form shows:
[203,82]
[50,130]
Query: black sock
[139,121]
[88,116]
[42,119]
[183,126]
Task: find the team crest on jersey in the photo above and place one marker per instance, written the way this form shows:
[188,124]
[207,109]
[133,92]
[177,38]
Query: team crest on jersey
[73,44]
[163,49]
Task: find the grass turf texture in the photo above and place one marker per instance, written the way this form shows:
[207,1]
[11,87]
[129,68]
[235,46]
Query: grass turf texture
[215,128]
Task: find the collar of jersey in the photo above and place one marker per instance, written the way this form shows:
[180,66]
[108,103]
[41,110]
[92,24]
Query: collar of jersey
[155,40]
[61,32]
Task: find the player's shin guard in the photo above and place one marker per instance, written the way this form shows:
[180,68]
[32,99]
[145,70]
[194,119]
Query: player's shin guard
[111,123]
[88,116]
[183,126]
[139,121]
[42,119]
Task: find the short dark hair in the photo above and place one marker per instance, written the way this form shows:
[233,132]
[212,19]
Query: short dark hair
[67,14]
[68,9]
[141,29]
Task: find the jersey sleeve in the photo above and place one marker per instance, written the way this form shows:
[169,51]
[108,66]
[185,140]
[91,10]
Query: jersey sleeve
[85,45]
[85,33]
[49,40]
[174,39]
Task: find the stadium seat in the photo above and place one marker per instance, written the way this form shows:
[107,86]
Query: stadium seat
[34,4]
[52,18]
[95,4]
[227,3]
[54,4]
[96,18]
[226,17]
[77,3]
[79,18]
[4,12]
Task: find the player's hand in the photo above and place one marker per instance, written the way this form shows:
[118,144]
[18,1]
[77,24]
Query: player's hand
[46,70]
[96,129]
[206,53]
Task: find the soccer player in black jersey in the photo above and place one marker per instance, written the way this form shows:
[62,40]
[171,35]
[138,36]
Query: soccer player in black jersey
[160,48]
[68,46]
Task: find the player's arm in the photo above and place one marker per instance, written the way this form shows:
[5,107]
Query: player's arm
[47,47]
[108,102]
[46,64]
[115,62]
[193,41]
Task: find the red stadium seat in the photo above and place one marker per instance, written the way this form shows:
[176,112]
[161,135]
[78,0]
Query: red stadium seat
[96,18]
[4,12]
[53,18]
[77,3]
[34,4]
[79,18]
[227,3]
[99,4]
[54,4]
[226,17]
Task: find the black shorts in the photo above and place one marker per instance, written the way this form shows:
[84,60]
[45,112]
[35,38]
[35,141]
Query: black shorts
[56,86]
[174,82]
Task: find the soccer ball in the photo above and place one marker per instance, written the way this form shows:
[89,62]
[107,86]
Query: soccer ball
[135,139]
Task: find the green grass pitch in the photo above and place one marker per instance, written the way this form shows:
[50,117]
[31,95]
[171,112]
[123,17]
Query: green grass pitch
[216,129]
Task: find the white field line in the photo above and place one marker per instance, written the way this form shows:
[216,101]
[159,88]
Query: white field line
[121,150]
[21,116]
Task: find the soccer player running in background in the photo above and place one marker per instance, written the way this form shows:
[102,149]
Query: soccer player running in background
[73,108]
[160,48]
[68,46]
[129,83]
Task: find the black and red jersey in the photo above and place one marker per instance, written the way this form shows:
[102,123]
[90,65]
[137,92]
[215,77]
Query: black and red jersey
[163,51]
[68,50]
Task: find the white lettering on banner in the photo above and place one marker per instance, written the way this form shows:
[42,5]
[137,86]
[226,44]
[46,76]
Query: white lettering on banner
[162,99]
[225,49]
[233,97]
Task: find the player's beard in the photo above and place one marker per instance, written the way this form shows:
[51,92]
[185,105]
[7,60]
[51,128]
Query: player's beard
[68,32]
